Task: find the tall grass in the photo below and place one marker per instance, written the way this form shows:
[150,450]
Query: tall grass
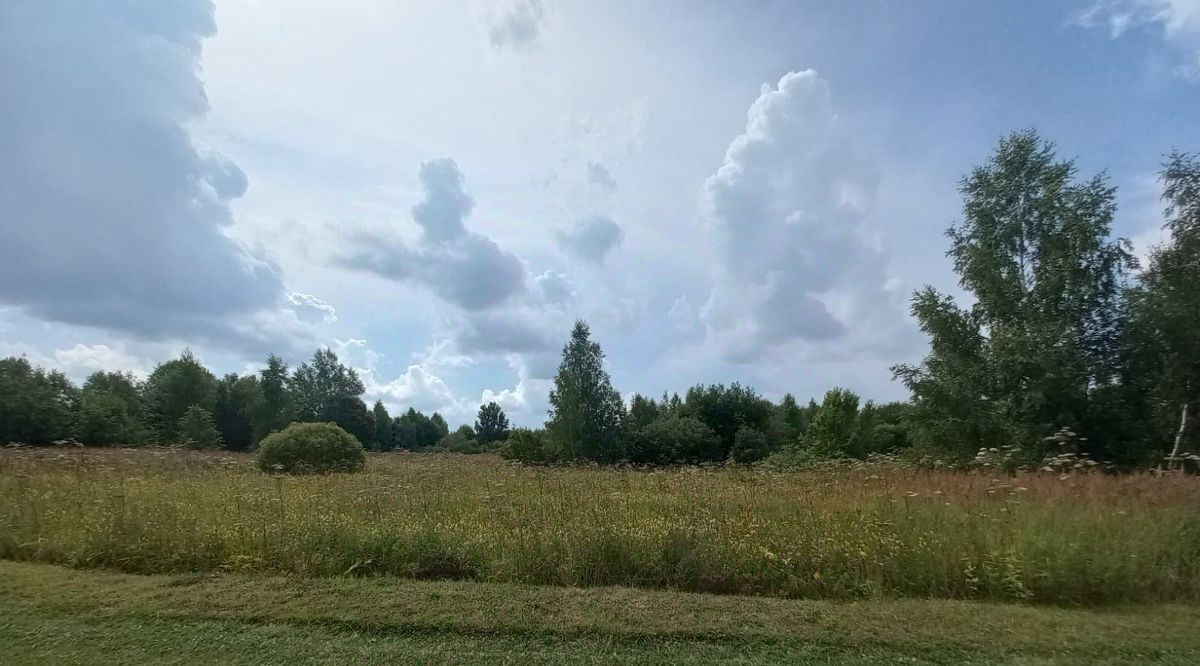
[846,534]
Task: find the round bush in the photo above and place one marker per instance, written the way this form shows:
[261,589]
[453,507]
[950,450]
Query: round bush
[304,448]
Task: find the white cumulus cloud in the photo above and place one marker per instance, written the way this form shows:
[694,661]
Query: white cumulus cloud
[786,210]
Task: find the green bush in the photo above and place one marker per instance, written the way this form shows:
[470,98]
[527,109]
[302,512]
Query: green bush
[749,446]
[679,439]
[311,448]
[528,446]
[462,440]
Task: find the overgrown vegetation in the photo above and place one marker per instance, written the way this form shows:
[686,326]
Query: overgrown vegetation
[873,530]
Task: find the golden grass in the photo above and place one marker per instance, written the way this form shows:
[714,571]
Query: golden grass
[869,532]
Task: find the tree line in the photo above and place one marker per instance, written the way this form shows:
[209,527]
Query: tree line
[182,402]
[1065,348]
[1066,352]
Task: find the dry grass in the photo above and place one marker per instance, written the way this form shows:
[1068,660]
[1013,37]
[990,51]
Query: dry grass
[855,533]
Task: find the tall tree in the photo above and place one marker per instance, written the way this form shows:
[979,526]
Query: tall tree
[413,431]
[351,414]
[586,413]
[438,422]
[383,427]
[726,409]
[236,405]
[110,410]
[172,388]
[1044,331]
[643,411]
[491,424]
[275,410]
[196,429]
[318,386]
[1166,311]
[36,406]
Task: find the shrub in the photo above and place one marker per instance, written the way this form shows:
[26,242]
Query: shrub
[311,448]
[749,445]
[527,446]
[462,440]
[679,439]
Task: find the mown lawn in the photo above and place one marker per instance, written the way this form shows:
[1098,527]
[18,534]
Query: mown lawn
[51,614]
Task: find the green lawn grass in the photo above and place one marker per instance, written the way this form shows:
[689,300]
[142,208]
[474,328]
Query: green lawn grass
[54,615]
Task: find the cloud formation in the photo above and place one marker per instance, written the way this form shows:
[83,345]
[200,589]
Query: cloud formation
[1179,21]
[311,308]
[515,24]
[113,217]
[600,178]
[591,238]
[786,210]
[462,267]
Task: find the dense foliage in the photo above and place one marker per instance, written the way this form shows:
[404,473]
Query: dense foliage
[310,448]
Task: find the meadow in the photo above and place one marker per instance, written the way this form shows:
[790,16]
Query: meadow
[866,532]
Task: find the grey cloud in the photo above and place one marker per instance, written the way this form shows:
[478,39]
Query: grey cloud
[491,334]
[112,217]
[600,178]
[515,24]
[441,213]
[787,210]
[591,238]
[462,267]
[554,288]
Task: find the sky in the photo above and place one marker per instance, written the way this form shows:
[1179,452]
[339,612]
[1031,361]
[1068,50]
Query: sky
[437,190]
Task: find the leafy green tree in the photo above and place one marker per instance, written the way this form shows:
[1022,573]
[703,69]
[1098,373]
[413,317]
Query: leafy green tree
[674,440]
[413,431]
[173,388]
[110,410]
[383,427]
[749,446]
[236,404]
[462,440]
[1165,326]
[196,429]
[834,428]
[491,424]
[319,386]
[725,409]
[586,413]
[438,422]
[643,411]
[404,431]
[36,406]
[276,409]
[793,415]
[531,447]
[351,414]
[1034,251]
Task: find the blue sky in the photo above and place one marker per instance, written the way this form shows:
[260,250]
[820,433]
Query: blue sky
[725,191]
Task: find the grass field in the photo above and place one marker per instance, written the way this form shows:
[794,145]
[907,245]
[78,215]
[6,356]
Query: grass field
[51,614]
[851,534]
